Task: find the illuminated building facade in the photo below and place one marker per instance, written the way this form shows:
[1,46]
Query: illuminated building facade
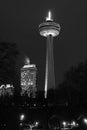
[49,29]
[28,79]
[7,89]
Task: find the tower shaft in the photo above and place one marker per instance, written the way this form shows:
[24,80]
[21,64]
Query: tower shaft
[49,29]
[49,73]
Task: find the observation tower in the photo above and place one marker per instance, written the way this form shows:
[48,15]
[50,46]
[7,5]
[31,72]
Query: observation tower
[49,29]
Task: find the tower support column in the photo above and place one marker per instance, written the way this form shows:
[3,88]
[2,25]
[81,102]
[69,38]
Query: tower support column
[49,29]
[49,73]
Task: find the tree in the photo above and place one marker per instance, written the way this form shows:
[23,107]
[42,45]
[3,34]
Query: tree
[75,84]
[8,62]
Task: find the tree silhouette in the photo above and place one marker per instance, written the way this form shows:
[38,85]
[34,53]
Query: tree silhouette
[8,63]
[75,84]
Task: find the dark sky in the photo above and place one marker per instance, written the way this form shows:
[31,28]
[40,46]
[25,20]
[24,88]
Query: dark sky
[19,20]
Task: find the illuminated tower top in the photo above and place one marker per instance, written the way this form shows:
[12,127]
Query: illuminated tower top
[49,27]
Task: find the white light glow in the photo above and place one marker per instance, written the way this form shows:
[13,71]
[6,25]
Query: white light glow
[9,86]
[48,32]
[36,123]
[27,61]
[85,120]
[22,117]
[73,123]
[64,123]
[49,17]
[20,124]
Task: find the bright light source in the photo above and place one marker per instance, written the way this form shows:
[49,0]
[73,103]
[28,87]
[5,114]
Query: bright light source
[36,123]
[22,116]
[64,123]
[73,123]
[85,120]
[49,17]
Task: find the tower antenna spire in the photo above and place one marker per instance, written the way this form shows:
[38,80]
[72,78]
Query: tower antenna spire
[49,17]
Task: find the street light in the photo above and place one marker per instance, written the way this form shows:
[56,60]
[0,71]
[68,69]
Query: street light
[22,117]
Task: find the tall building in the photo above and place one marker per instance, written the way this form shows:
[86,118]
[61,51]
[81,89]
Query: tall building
[49,29]
[28,79]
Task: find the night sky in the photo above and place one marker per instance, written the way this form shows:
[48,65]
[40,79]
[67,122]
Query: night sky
[19,21]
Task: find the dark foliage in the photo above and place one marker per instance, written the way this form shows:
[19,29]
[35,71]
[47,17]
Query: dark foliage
[74,87]
[8,64]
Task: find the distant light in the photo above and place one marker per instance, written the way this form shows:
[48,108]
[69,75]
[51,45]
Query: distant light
[85,120]
[20,124]
[36,123]
[64,123]
[34,104]
[73,123]
[6,86]
[22,117]
[9,86]
[49,17]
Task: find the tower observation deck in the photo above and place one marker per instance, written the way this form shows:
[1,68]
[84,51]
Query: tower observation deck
[49,29]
